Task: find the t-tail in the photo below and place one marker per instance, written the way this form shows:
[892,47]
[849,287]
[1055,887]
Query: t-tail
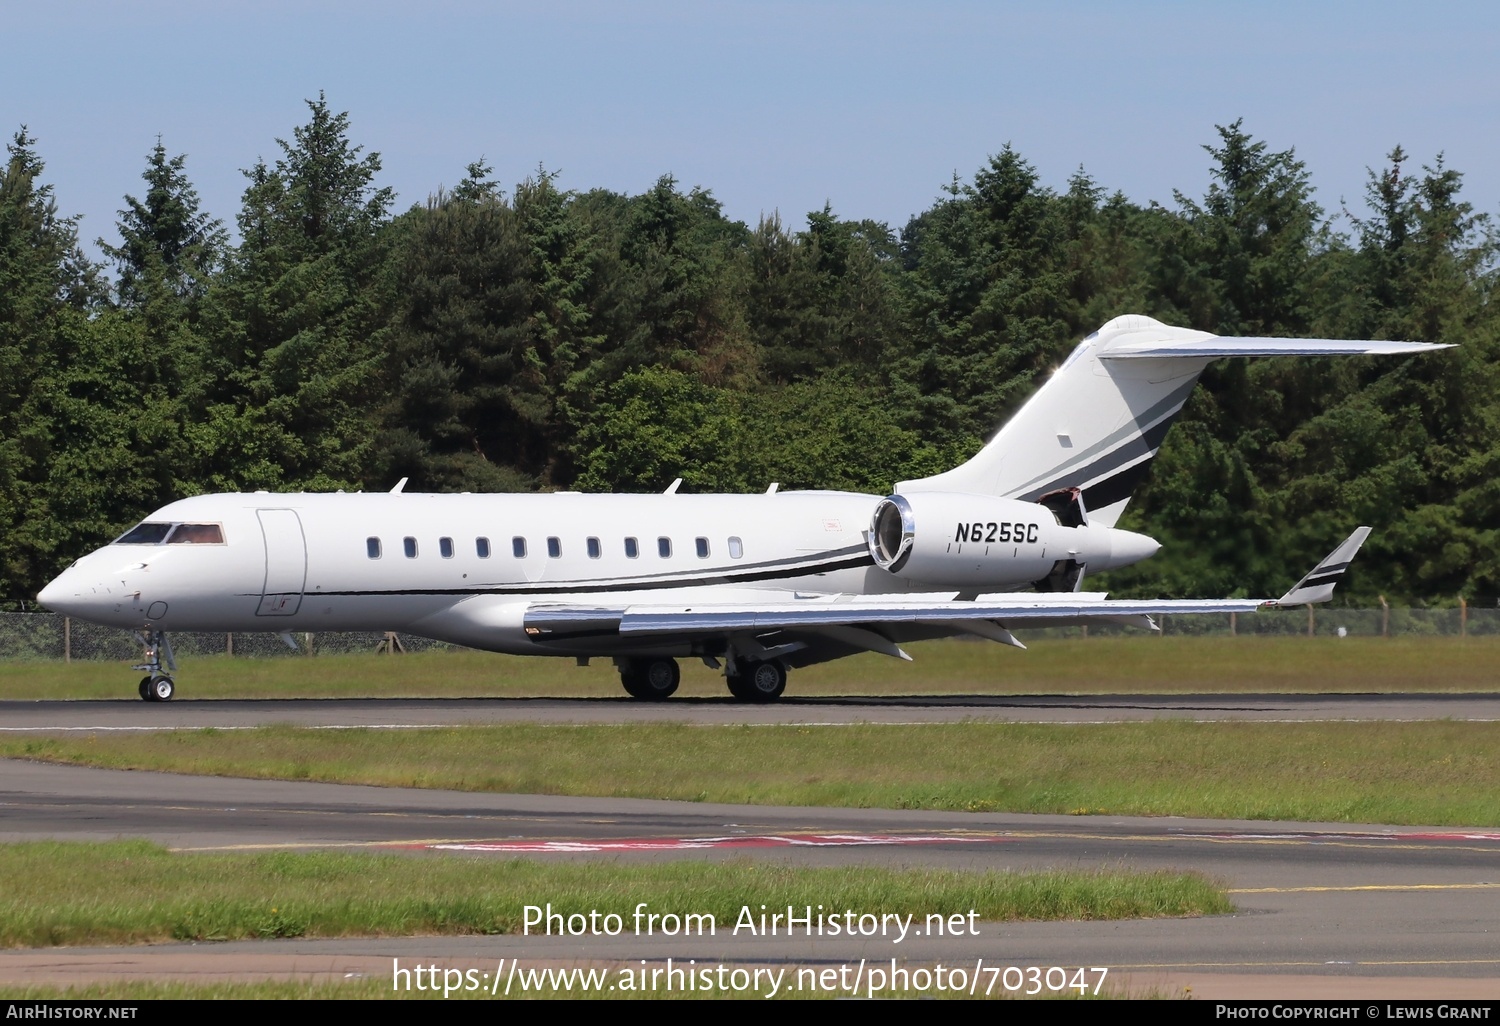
[1091,431]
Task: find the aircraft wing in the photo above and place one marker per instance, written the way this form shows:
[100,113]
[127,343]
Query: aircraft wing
[1020,610]
[879,622]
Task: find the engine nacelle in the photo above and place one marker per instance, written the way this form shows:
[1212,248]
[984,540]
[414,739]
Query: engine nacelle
[952,539]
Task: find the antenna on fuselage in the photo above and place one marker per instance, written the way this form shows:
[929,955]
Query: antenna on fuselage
[400,485]
[672,488]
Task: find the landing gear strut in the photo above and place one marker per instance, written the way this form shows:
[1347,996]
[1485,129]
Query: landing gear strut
[754,681]
[650,680]
[157,685]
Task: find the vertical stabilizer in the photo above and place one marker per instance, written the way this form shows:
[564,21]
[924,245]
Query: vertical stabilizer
[1099,420]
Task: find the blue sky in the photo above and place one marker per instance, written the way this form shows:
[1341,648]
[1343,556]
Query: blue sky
[773,106]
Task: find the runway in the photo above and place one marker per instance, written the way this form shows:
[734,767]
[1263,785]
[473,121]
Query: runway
[1331,910]
[134,715]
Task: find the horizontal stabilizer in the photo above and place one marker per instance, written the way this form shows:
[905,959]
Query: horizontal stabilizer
[1218,346]
[1317,586]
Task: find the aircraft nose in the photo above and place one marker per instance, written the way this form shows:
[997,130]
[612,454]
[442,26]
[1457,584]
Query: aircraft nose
[52,594]
[70,594]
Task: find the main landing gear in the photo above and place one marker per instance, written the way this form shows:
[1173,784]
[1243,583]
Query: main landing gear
[656,679]
[753,681]
[157,685]
[650,680]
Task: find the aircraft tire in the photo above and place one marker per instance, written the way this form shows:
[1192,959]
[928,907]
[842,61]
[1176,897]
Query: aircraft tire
[738,688]
[161,689]
[145,690]
[759,682]
[651,680]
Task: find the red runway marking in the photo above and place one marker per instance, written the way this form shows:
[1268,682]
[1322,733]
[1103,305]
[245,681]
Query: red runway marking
[699,843]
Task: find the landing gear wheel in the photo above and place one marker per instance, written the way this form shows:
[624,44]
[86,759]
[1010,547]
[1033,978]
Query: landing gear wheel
[757,682]
[651,680]
[156,686]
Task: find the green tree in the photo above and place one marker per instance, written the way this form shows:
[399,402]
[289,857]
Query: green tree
[656,424]
[168,243]
[457,347]
[987,292]
[302,296]
[821,298]
[47,290]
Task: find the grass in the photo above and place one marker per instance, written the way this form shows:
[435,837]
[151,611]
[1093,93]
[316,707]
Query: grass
[1435,772]
[132,892]
[1172,664]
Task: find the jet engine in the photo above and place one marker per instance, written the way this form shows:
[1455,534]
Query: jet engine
[957,540]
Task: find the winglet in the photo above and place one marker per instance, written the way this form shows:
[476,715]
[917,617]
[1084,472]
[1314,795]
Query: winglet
[1317,586]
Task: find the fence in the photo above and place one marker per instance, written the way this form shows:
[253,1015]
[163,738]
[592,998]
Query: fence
[52,636]
[26,636]
[1318,621]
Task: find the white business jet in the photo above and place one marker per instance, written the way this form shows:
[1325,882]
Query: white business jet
[756,584]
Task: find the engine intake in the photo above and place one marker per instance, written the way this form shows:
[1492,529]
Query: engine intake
[892,531]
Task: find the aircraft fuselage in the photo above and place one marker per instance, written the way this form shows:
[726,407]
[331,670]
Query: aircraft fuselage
[464,568]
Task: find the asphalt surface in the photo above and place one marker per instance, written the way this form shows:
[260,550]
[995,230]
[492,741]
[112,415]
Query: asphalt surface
[1327,910]
[133,715]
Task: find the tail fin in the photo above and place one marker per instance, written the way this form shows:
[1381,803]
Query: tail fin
[1097,423]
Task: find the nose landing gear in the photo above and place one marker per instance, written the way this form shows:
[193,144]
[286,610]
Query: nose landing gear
[157,685]
[157,689]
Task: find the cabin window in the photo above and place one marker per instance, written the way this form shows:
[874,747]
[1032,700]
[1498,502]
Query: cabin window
[702,546]
[445,547]
[736,548]
[410,545]
[554,547]
[664,548]
[632,548]
[594,550]
[482,548]
[518,546]
[372,547]
[197,534]
[145,534]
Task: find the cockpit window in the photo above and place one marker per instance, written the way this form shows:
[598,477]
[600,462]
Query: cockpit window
[145,534]
[197,534]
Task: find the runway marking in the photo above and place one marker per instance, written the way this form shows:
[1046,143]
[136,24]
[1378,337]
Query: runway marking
[701,843]
[1479,835]
[1365,887]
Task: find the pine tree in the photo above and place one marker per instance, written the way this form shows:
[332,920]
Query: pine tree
[302,372]
[167,241]
[47,289]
